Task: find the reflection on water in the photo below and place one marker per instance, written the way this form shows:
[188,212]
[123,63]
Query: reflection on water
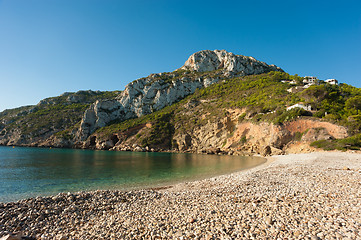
[26,172]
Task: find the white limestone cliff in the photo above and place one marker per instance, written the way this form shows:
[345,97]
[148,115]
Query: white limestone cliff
[207,60]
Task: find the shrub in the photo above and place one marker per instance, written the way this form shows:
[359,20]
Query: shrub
[243,140]
[352,143]
[290,115]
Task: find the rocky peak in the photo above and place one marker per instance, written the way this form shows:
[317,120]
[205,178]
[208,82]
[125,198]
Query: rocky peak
[208,60]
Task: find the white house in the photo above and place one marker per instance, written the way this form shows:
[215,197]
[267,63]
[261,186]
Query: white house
[332,81]
[299,105]
[310,80]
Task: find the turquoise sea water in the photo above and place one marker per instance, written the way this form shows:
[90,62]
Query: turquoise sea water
[30,172]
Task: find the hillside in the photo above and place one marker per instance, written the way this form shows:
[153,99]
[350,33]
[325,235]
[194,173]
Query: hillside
[244,115]
[217,102]
[27,126]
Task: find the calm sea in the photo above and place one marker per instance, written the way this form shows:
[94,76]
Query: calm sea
[30,172]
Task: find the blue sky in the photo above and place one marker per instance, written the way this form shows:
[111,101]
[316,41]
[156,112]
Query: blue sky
[48,47]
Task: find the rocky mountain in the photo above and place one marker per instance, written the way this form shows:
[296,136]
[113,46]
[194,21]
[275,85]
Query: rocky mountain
[217,102]
[157,91]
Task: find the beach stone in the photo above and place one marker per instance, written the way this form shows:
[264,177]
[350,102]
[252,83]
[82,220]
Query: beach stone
[61,237]
[11,237]
[297,233]
[268,220]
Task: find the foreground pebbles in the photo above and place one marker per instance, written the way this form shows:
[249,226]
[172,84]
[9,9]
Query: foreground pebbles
[306,196]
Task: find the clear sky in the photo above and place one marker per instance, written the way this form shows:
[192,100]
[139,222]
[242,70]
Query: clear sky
[48,47]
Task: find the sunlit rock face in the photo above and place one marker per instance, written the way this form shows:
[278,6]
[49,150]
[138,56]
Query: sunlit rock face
[207,60]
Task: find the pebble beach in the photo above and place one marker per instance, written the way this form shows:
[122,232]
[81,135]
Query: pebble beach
[297,196]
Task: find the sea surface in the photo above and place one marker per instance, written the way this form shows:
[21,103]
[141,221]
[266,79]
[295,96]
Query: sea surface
[30,172]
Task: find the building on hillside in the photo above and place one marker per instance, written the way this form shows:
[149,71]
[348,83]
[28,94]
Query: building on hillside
[299,105]
[310,80]
[332,81]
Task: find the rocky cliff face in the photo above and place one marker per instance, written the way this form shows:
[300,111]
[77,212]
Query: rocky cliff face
[240,65]
[157,91]
[229,135]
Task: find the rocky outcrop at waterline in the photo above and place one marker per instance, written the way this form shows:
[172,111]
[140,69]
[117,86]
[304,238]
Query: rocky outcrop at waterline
[228,136]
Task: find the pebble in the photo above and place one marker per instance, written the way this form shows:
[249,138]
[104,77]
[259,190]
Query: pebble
[294,197]
[268,220]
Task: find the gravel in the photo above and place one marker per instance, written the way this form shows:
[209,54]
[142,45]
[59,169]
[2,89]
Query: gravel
[301,196]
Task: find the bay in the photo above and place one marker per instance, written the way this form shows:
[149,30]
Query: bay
[30,172]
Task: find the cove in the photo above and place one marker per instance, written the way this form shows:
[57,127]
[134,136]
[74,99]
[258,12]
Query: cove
[30,172]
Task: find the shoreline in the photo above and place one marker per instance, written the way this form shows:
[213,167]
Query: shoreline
[201,167]
[314,195]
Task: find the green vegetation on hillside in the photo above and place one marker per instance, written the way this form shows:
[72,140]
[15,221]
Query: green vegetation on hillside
[338,103]
[265,92]
[350,143]
[50,118]
[161,133]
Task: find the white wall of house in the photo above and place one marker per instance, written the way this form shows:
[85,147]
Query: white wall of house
[332,81]
[299,105]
